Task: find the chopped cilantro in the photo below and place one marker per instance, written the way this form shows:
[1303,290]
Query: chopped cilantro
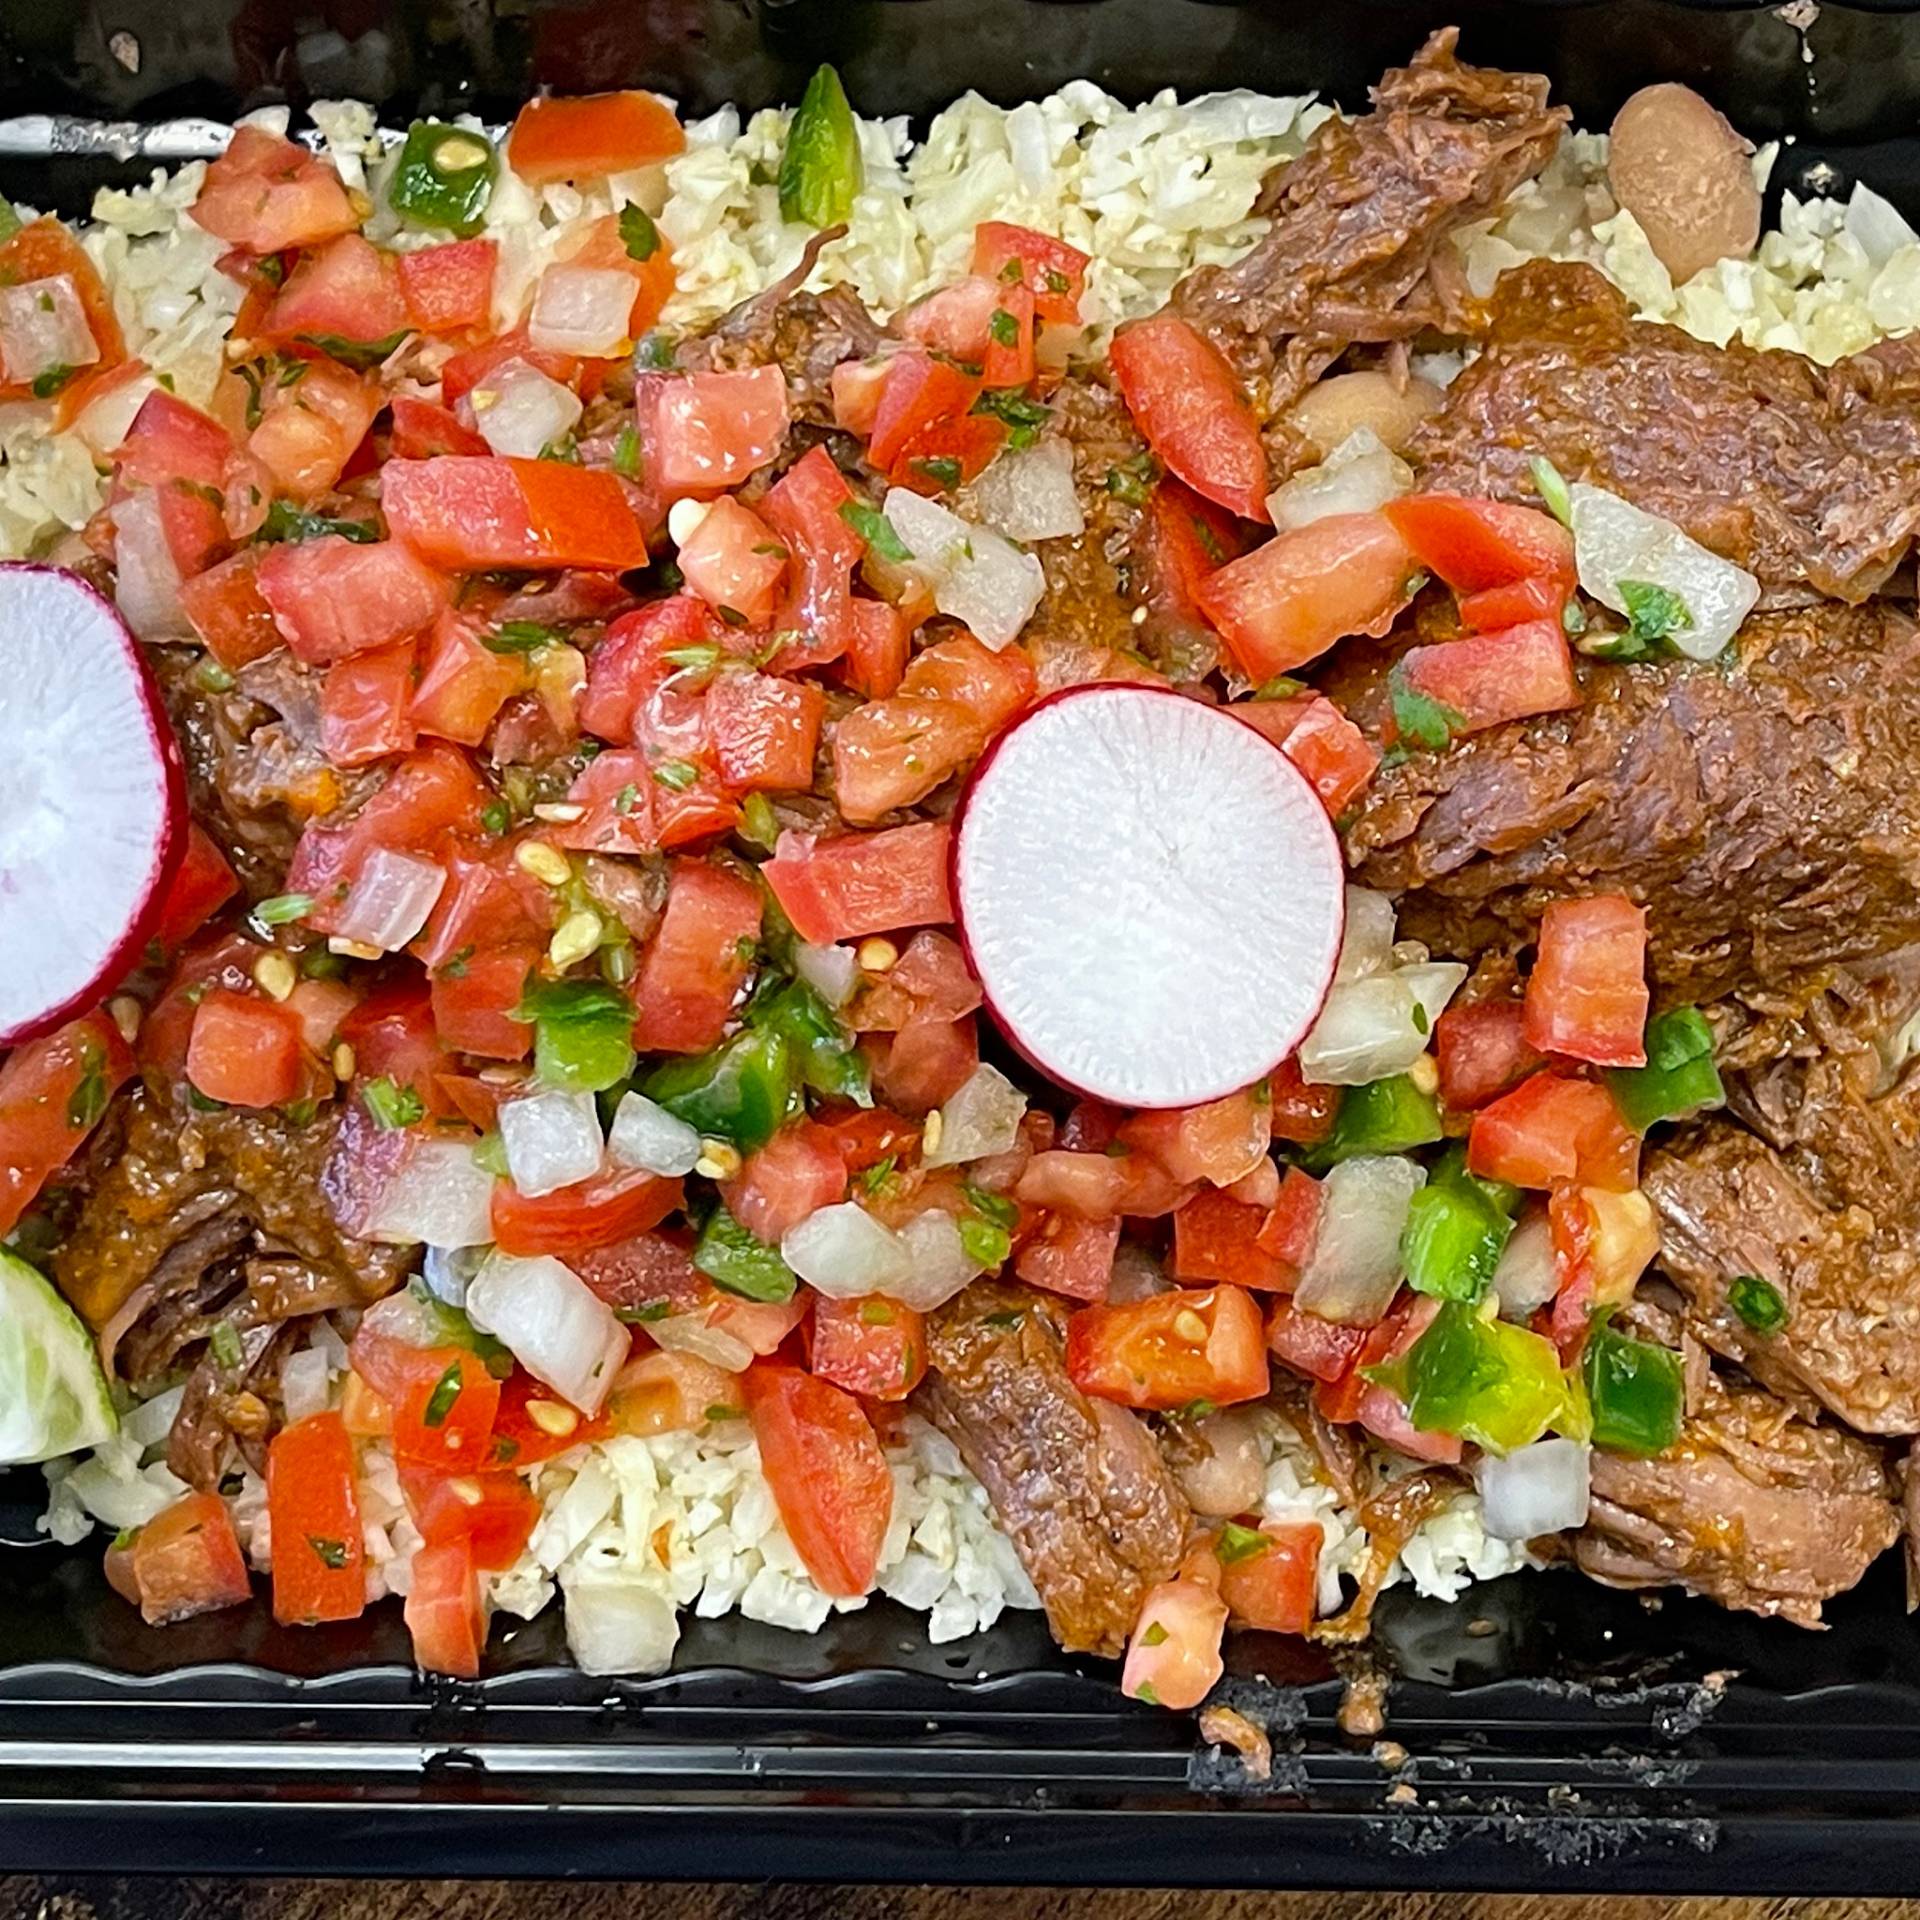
[877,531]
[391,1104]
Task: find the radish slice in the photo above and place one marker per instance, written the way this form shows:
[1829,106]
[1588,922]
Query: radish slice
[1151,895]
[93,800]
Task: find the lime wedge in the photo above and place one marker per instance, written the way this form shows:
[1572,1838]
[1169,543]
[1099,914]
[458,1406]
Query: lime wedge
[53,1396]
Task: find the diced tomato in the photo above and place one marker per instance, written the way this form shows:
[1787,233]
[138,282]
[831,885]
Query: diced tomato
[954,320]
[952,700]
[432,792]
[926,1063]
[862,882]
[667,1391]
[1173,1658]
[311,428]
[1320,740]
[422,430]
[1490,678]
[1008,361]
[334,597]
[1301,1113]
[46,250]
[919,391]
[1170,1349]
[462,684]
[696,964]
[393,1037]
[1217,1142]
[469,369]
[1287,602]
[1292,1223]
[469,515]
[532,1423]
[473,1003]
[765,731]
[1274,1587]
[1476,544]
[830,1480]
[733,562]
[1053,272]
[227,610]
[876,657]
[596,1213]
[245,1052]
[1071,1256]
[1097,1184]
[1185,540]
[494,1513]
[1216,1238]
[53,1092]
[1186,401]
[930,980]
[1481,1050]
[864,1137]
[364,706]
[448,289]
[1587,995]
[443,1406]
[1494,609]
[762,1326]
[585,136]
[871,1346]
[948,453]
[489,900]
[1384,1415]
[170,442]
[714,430]
[803,509]
[1339,1399]
[321,1006]
[794,1175]
[96,384]
[444,1613]
[630,667]
[186,1560]
[201,885]
[1303,1341]
[629,811]
[1549,1132]
[1602,1243]
[313,1510]
[348,290]
[266,194]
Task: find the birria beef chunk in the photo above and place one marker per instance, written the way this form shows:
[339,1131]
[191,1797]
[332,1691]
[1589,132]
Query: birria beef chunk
[1818,1196]
[1807,476]
[1078,1484]
[1354,252]
[1764,809]
[1753,1507]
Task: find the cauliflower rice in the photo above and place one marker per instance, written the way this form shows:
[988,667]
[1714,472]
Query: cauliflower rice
[636,1529]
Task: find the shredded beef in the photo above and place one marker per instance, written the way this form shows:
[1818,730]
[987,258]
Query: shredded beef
[1753,1507]
[806,335]
[1078,1484]
[1354,251]
[255,771]
[1807,476]
[1763,810]
[184,1197]
[1818,1195]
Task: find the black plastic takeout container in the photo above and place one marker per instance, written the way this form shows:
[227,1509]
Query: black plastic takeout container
[1546,1732]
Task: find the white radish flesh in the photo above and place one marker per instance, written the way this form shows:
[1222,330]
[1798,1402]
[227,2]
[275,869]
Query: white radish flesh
[91,788]
[1151,895]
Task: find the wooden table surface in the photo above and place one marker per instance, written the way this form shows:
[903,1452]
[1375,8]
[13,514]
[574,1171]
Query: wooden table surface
[24,1899]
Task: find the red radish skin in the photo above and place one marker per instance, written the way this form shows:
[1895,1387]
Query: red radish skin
[1211,973]
[93,801]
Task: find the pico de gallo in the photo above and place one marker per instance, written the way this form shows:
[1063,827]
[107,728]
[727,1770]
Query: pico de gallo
[622,685]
